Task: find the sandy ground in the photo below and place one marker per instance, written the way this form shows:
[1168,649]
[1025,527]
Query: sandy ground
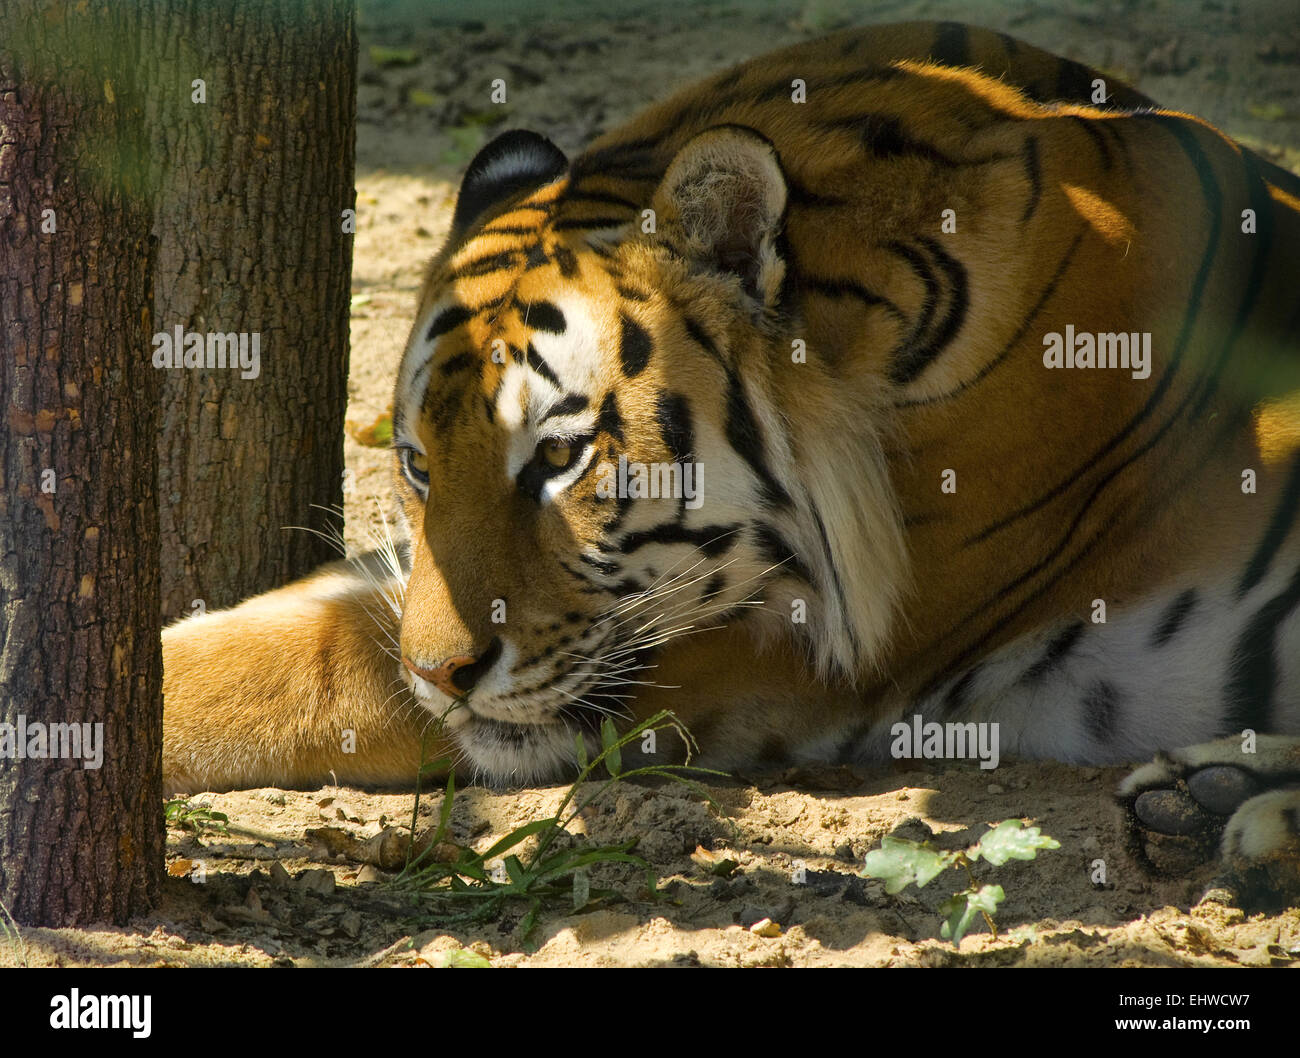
[301,876]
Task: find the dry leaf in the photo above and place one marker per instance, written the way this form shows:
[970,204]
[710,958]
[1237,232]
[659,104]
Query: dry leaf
[379,434]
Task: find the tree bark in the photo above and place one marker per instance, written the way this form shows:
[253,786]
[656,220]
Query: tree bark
[79,582]
[253,184]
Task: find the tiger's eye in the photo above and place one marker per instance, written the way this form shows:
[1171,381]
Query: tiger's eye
[557,453]
[419,462]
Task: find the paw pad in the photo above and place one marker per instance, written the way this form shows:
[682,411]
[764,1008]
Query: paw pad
[1221,789]
[1171,812]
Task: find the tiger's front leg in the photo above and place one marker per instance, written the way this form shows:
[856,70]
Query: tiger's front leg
[292,688]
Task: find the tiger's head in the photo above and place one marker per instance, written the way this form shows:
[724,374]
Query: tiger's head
[596,449]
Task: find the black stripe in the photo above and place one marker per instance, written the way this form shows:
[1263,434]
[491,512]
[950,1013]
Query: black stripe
[622,504]
[440,411]
[928,304]
[508,229]
[539,365]
[671,248]
[701,338]
[609,420]
[952,44]
[570,404]
[485,265]
[1055,653]
[632,295]
[833,567]
[1279,527]
[529,207]
[1032,315]
[565,260]
[1100,710]
[592,466]
[615,157]
[728,81]
[1098,140]
[778,552]
[1262,241]
[1115,130]
[543,316]
[711,540]
[958,696]
[458,363]
[600,565]
[883,136]
[596,587]
[1210,192]
[744,436]
[607,197]
[1034,174]
[536,257]
[674,414]
[447,320]
[803,197]
[845,288]
[778,90]
[1252,683]
[1280,178]
[588,223]
[915,354]
[491,305]
[634,347]
[1173,617]
[1073,82]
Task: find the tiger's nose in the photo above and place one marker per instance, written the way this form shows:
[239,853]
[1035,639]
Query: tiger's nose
[458,674]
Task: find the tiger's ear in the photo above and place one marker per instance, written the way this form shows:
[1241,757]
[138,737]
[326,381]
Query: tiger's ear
[724,196]
[515,161]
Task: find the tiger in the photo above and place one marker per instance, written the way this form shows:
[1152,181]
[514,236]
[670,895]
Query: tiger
[857,305]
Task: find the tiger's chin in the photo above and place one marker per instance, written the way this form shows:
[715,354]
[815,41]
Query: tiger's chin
[501,753]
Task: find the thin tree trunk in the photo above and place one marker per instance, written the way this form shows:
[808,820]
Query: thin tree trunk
[254,180]
[81,827]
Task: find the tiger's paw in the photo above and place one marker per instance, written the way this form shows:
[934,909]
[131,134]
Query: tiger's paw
[1185,805]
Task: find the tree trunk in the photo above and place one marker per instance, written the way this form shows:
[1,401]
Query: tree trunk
[81,827]
[254,182]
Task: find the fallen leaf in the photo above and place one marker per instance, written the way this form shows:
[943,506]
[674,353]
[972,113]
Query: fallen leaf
[384,56]
[379,434]
[713,862]
[1267,111]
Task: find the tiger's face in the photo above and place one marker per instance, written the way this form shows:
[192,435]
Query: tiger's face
[585,472]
